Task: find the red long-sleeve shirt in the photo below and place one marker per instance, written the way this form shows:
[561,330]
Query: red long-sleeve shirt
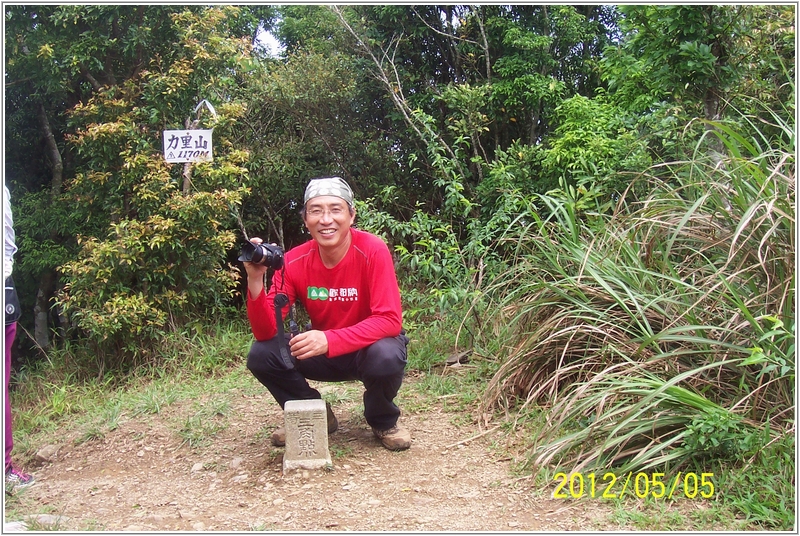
[355,303]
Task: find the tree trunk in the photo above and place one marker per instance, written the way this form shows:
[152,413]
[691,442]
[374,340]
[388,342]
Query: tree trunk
[488,60]
[52,152]
[711,104]
[41,310]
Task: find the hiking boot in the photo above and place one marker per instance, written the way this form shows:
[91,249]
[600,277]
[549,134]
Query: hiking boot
[16,479]
[395,438]
[279,435]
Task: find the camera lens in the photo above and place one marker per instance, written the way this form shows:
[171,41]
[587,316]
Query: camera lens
[267,255]
[260,253]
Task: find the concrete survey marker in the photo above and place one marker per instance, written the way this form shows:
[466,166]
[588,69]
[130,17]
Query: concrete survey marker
[306,425]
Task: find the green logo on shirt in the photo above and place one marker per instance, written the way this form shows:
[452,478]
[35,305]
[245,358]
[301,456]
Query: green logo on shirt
[345,294]
[315,293]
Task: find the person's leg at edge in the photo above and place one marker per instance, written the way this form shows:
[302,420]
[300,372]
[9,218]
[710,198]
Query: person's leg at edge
[14,477]
[11,332]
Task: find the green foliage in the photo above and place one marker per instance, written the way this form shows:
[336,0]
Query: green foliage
[35,217]
[722,435]
[478,108]
[676,63]
[122,292]
[545,56]
[437,272]
[294,139]
[637,332]
[593,145]
[106,81]
[308,27]
[512,173]
[160,262]
[678,51]
[775,352]
[761,489]
[606,203]
[449,172]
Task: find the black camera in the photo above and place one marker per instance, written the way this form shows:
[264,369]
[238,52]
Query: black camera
[266,254]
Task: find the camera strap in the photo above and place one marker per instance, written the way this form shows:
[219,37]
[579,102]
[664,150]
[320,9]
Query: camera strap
[281,301]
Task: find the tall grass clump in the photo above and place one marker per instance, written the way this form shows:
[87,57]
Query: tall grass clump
[663,334]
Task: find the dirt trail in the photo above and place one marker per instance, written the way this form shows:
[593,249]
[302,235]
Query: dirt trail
[143,477]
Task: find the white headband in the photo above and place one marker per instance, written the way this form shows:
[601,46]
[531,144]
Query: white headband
[335,186]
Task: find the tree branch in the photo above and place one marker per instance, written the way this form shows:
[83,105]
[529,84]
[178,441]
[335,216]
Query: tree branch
[52,152]
[394,89]
[92,80]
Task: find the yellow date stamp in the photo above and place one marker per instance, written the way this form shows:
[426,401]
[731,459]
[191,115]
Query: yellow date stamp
[641,485]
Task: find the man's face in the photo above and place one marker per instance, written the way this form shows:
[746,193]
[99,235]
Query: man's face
[328,219]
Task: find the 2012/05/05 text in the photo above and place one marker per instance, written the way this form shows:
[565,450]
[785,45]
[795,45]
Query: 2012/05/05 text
[641,485]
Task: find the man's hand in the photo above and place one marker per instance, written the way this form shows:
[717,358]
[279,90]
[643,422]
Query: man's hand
[255,274]
[309,344]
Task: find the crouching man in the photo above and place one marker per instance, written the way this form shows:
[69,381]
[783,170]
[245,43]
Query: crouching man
[345,280]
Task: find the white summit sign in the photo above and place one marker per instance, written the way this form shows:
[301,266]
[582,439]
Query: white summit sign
[188,146]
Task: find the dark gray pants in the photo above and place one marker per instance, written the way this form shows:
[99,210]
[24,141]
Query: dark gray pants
[380,367]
